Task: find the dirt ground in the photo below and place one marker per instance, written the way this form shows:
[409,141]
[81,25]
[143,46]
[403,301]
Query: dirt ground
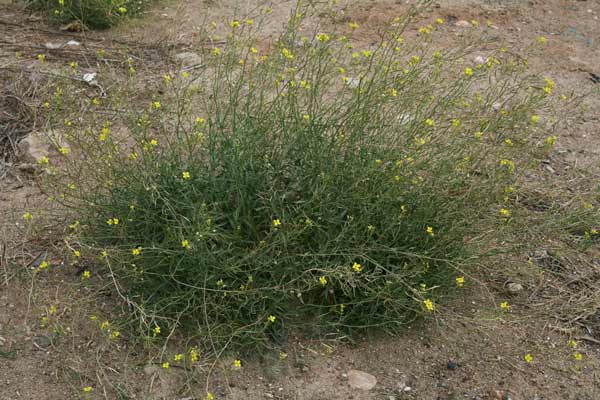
[50,349]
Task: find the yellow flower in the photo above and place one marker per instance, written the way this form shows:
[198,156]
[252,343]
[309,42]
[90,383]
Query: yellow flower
[306,117]
[27,216]
[439,21]
[323,37]
[112,221]
[156,104]
[87,389]
[572,343]
[104,325]
[77,253]
[249,22]
[166,365]
[460,281]
[429,306]
[122,10]
[156,330]
[137,251]
[505,306]
[287,54]
[542,40]
[468,71]
[237,364]
[276,223]
[357,267]
[272,318]
[167,78]
[535,119]
[456,123]
[43,161]
[210,396]
[528,358]
[429,231]
[234,24]
[41,57]
[217,51]
[104,133]
[200,121]
[186,175]
[115,334]
[551,140]
[178,357]
[194,355]
[474,23]
[509,164]
[86,275]
[282,355]
[185,244]
[253,50]
[508,142]
[366,53]
[323,280]
[429,122]
[504,212]
[353,25]
[577,356]
[593,231]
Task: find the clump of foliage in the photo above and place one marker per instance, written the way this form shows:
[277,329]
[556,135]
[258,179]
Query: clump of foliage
[319,185]
[92,14]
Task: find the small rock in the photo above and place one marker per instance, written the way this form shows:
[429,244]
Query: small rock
[479,60]
[73,43]
[361,380]
[89,77]
[463,24]
[33,148]
[514,287]
[52,46]
[353,83]
[452,365]
[407,389]
[151,370]
[188,59]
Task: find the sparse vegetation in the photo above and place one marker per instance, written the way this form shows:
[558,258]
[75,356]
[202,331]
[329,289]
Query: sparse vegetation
[91,14]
